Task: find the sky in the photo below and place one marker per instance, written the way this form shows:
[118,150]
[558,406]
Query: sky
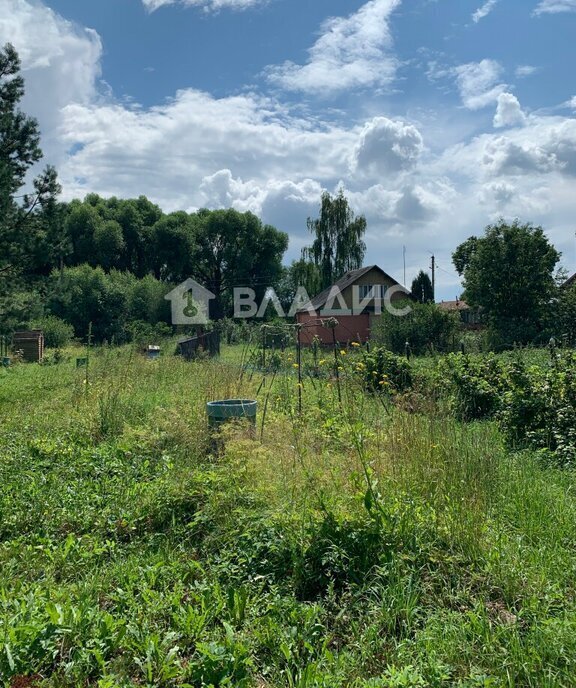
[436,117]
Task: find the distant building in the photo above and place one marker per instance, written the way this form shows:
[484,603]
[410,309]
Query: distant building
[471,318]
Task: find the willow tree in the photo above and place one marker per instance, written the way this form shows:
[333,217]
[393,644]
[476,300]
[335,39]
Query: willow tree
[338,245]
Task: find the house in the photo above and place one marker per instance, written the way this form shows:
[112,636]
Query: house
[471,318]
[355,301]
[570,282]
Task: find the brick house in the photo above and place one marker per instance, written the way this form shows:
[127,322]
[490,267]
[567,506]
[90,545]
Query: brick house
[355,300]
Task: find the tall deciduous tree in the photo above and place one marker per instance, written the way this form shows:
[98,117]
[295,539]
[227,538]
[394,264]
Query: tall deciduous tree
[509,273]
[422,288]
[236,250]
[338,245]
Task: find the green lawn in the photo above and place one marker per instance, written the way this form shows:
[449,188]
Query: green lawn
[353,544]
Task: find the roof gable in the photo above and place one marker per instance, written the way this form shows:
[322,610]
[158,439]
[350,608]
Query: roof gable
[347,280]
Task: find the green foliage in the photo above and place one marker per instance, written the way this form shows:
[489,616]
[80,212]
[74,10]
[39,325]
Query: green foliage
[539,407]
[383,371]
[18,308]
[57,332]
[110,301]
[474,384]
[347,547]
[236,249]
[26,225]
[421,288]
[426,328]
[508,272]
[564,326]
[338,244]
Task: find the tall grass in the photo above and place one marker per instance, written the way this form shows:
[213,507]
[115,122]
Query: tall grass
[352,544]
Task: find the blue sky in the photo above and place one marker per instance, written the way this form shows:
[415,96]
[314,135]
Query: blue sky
[436,116]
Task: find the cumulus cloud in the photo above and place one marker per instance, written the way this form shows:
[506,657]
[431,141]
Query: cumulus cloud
[478,83]
[508,112]
[555,6]
[60,61]
[253,152]
[209,5]
[387,146]
[484,10]
[504,156]
[352,52]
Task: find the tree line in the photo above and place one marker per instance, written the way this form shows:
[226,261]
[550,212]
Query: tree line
[111,261]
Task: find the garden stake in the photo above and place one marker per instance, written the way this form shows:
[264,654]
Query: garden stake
[266,405]
[299,362]
[336,371]
[88,355]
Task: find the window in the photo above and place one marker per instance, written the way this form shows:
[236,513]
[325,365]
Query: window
[375,291]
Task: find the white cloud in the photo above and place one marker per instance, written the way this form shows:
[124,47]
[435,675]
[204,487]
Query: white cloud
[387,146]
[508,113]
[254,153]
[60,61]
[484,10]
[352,52]
[523,71]
[478,83]
[555,6]
[209,5]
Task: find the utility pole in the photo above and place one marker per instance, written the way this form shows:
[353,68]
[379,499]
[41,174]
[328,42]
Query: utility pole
[404,259]
[433,268]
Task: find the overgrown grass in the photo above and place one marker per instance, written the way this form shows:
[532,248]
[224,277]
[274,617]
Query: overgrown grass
[355,544]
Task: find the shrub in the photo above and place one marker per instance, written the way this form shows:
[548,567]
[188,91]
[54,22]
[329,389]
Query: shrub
[474,385]
[426,328]
[539,407]
[381,370]
[57,332]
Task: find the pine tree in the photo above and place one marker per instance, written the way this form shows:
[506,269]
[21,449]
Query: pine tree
[21,217]
[422,288]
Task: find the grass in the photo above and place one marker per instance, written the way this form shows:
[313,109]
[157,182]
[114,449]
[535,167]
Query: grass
[354,544]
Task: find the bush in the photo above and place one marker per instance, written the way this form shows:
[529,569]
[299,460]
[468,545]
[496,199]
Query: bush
[110,301]
[57,332]
[539,407]
[426,328]
[474,385]
[381,370]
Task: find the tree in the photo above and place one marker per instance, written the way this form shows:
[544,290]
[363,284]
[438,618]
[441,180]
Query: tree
[509,273]
[565,315]
[338,245]
[422,288]
[236,250]
[172,246]
[19,151]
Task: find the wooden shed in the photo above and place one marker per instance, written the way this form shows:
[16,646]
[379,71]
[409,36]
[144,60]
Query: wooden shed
[30,343]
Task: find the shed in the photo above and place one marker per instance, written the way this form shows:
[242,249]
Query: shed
[30,343]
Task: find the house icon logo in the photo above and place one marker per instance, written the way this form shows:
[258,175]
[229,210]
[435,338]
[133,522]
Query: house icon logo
[190,303]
